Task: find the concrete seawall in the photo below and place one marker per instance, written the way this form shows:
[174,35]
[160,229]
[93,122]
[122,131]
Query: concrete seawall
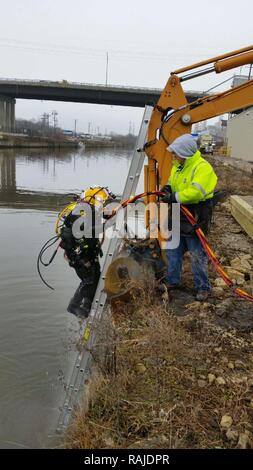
[24,142]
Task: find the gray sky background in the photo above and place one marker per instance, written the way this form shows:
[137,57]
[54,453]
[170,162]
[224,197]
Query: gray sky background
[145,41]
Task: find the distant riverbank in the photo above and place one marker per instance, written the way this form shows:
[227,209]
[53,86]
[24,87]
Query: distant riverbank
[24,141]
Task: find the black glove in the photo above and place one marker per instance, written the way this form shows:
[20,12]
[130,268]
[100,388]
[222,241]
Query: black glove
[168,198]
[166,189]
[107,216]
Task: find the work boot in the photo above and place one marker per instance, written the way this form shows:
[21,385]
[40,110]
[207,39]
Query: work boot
[82,310]
[85,306]
[174,286]
[202,295]
[165,287]
[80,304]
[165,290]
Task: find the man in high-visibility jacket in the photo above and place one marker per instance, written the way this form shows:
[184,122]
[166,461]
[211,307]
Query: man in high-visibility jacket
[192,183]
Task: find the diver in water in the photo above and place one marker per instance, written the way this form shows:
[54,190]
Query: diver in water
[79,234]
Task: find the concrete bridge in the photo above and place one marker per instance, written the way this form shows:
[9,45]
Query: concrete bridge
[10,90]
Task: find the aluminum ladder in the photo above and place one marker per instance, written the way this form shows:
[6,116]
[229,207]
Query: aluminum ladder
[82,364]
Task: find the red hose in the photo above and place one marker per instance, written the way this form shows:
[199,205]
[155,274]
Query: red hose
[203,240]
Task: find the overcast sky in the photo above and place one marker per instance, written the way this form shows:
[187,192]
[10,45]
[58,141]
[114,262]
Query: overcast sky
[145,40]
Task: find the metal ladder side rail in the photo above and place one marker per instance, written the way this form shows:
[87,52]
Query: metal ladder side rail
[99,300]
[88,334]
[81,366]
[81,360]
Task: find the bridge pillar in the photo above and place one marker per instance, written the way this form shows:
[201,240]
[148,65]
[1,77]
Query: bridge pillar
[13,121]
[7,114]
[2,115]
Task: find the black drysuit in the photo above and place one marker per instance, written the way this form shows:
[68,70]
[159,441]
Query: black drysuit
[83,255]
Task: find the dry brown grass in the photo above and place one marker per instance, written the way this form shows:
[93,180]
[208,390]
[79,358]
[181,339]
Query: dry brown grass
[156,393]
[153,390]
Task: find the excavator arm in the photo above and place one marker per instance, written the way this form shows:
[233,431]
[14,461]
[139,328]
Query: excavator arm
[173,115]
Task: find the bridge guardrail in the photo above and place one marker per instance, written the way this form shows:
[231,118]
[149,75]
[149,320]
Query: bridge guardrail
[63,83]
[84,84]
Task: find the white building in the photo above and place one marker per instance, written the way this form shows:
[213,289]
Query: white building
[240,135]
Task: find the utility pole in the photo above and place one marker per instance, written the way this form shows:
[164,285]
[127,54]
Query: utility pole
[75,126]
[54,115]
[45,122]
[106,72]
[89,127]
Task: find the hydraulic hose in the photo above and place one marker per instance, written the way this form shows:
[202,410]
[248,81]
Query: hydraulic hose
[203,240]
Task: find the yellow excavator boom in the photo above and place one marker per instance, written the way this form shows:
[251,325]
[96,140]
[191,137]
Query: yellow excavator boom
[173,115]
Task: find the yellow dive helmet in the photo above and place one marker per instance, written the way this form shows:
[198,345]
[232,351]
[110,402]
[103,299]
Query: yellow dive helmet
[95,196]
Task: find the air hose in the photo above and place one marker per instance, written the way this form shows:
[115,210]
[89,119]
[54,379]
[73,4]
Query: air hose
[40,260]
[203,240]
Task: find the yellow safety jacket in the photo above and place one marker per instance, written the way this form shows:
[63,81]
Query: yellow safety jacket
[194,182]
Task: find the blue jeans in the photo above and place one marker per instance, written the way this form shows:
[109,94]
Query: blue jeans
[199,263]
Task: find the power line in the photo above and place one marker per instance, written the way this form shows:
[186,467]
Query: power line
[124,54]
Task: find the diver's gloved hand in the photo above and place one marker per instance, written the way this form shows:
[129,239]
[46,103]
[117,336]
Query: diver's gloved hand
[107,215]
[112,195]
[67,240]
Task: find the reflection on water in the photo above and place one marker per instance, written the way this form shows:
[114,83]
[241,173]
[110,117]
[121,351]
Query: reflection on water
[57,172]
[37,335]
[31,179]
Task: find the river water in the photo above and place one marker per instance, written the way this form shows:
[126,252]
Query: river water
[37,335]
